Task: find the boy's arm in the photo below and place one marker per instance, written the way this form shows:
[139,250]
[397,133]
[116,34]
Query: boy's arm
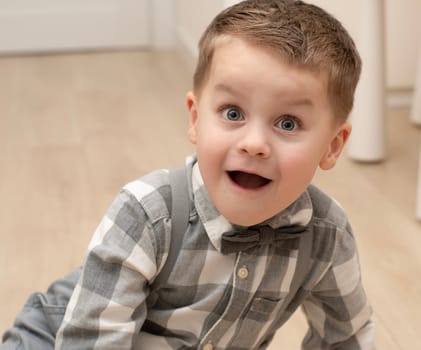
[107,308]
[337,309]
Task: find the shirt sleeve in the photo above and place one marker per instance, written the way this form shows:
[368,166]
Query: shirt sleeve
[337,309]
[108,308]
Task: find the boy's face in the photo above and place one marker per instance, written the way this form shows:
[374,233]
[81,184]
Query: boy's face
[261,129]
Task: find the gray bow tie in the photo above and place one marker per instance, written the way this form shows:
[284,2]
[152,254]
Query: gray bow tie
[240,240]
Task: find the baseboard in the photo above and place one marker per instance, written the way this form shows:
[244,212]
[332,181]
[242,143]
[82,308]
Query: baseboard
[399,98]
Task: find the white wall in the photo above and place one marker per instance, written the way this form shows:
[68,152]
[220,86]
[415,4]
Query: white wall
[402,31]
[163,23]
[192,18]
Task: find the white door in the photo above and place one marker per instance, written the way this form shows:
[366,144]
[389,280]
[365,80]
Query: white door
[55,25]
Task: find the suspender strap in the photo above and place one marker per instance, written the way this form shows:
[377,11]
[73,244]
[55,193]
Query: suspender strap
[303,261]
[303,266]
[180,212]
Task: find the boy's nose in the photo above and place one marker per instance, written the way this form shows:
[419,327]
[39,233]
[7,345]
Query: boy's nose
[254,141]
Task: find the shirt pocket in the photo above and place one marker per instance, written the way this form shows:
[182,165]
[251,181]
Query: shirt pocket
[255,322]
[262,309]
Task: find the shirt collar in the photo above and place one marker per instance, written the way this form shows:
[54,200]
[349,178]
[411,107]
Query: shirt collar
[298,213]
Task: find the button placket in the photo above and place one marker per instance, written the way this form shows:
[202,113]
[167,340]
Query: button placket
[241,281]
[243,272]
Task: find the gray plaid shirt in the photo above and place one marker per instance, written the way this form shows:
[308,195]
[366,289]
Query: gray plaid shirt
[211,300]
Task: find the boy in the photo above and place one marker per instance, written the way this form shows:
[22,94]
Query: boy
[272,91]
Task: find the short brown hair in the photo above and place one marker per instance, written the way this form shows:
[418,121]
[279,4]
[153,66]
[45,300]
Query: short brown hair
[303,34]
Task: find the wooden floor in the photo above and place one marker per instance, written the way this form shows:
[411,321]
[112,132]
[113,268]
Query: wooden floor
[75,128]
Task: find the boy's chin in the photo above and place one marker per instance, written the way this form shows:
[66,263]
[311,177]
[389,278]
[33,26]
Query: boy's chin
[245,220]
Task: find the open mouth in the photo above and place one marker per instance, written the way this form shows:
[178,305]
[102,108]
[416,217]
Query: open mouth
[247,180]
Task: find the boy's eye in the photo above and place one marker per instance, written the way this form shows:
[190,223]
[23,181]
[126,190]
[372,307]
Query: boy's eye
[232,114]
[288,123]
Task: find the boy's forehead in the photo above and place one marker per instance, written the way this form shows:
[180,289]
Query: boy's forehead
[240,58]
[234,47]
[233,51]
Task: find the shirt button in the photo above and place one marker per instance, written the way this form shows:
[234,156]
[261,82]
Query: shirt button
[208,346]
[243,272]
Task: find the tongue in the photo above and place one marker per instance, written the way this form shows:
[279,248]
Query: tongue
[248,180]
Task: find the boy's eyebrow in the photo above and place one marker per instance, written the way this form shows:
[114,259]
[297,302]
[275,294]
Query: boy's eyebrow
[304,101]
[298,101]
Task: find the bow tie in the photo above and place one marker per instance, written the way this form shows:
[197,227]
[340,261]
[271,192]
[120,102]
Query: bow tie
[240,240]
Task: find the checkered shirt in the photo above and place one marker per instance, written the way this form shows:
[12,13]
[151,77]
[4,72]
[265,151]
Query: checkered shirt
[212,300]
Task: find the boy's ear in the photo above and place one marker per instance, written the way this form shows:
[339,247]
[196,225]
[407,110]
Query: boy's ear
[191,104]
[336,146]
